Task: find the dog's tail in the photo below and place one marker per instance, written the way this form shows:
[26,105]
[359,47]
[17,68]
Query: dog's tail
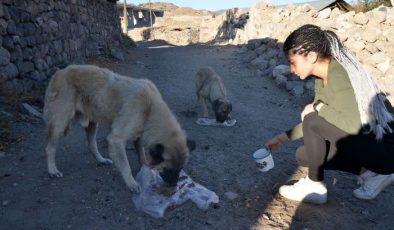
[50,93]
[56,86]
[59,106]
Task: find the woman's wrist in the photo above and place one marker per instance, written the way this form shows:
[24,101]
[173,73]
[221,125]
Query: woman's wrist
[282,138]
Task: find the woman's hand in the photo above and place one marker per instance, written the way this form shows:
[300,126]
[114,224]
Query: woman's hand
[307,110]
[274,143]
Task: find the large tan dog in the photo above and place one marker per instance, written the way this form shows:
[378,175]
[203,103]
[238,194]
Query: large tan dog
[210,90]
[132,108]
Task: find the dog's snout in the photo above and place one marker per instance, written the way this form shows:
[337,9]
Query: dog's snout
[221,117]
[170,176]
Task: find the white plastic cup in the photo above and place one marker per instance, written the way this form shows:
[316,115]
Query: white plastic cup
[263,159]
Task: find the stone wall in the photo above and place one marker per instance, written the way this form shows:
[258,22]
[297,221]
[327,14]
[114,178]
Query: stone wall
[40,36]
[185,26]
[369,35]
[264,28]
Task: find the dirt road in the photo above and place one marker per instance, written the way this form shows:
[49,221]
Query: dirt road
[95,197]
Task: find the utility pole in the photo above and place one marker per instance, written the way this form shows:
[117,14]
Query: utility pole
[151,22]
[125,18]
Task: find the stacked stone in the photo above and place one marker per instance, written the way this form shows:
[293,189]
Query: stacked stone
[266,57]
[185,26]
[369,35]
[37,37]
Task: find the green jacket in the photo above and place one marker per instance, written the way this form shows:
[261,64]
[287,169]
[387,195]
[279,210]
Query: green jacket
[340,107]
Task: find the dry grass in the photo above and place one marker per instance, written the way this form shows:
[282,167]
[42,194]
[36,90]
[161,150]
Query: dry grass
[10,111]
[5,129]
[127,41]
[365,6]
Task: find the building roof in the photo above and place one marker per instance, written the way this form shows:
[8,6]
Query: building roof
[321,5]
[134,7]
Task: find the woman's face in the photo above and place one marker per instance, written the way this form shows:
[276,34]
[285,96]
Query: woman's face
[301,65]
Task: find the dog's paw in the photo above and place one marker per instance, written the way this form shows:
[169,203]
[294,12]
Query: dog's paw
[105,161]
[135,188]
[56,174]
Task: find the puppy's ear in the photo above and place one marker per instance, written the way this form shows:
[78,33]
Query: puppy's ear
[156,153]
[191,144]
[215,104]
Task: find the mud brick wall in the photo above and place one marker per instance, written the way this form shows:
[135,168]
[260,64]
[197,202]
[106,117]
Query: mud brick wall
[37,37]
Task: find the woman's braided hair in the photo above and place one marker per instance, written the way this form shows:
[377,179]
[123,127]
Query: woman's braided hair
[326,44]
[309,38]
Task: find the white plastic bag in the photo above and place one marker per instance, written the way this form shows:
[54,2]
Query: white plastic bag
[213,122]
[155,204]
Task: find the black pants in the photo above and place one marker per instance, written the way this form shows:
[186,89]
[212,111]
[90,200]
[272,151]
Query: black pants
[327,147]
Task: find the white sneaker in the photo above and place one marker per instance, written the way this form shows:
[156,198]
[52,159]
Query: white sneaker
[363,176]
[305,190]
[373,186]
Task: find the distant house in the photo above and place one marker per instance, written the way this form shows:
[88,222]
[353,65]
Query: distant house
[138,16]
[321,5]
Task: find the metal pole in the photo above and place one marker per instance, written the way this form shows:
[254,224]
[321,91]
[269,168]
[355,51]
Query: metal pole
[125,18]
[151,22]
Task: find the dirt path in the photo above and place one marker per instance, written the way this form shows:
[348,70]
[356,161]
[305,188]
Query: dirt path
[93,197]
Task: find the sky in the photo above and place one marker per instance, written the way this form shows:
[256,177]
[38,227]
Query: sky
[214,5]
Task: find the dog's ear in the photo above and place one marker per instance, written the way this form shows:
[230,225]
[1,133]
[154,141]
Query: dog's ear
[191,144]
[156,153]
[215,104]
[230,107]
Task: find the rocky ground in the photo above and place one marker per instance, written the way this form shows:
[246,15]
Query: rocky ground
[95,197]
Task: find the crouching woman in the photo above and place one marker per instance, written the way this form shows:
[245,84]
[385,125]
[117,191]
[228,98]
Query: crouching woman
[349,125]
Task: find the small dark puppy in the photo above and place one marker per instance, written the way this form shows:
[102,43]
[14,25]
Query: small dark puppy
[210,90]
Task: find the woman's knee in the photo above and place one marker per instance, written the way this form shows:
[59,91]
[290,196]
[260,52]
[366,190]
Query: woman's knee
[311,121]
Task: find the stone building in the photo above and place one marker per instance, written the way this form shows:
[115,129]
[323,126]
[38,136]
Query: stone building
[138,16]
